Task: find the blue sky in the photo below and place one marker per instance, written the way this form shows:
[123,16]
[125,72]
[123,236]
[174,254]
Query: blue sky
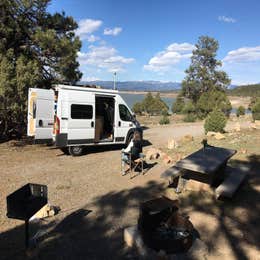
[153,39]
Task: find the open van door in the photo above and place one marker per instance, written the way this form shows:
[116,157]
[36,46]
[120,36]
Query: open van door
[40,114]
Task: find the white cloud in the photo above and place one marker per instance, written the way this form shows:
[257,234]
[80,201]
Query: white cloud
[112,31]
[226,19]
[173,54]
[90,78]
[103,57]
[87,27]
[244,54]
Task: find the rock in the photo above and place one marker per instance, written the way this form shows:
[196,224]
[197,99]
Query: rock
[219,136]
[42,213]
[237,127]
[211,133]
[243,151]
[152,154]
[167,159]
[257,122]
[187,138]
[172,144]
[133,238]
[253,126]
[130,235]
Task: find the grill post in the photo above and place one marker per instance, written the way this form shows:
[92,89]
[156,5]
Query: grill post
[26,226]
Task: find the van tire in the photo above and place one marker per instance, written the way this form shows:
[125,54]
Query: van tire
[76,150]
[65,150]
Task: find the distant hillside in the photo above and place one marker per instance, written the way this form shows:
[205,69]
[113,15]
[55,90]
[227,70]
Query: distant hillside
[137,85]
[246,90]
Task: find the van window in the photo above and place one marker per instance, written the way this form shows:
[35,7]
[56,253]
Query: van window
[124,113]
[81,111]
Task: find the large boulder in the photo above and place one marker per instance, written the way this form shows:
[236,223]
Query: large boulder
[237,127]
[187,139]
[172,144]
[219,136]
[211,133]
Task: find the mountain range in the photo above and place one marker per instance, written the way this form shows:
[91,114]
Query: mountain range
[148,85]
[136,85]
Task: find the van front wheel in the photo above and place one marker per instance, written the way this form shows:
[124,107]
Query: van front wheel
[76,150]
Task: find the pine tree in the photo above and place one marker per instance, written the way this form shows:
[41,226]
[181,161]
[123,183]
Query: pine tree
[203,74]
[37,49]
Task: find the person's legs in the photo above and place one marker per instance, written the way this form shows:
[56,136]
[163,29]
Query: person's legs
[124,161]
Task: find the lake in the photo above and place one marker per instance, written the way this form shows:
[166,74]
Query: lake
[133,98]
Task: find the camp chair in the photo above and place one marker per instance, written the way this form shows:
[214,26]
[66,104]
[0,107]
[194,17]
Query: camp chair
[133,164]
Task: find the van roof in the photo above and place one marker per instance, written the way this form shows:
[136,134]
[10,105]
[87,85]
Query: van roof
[79,88]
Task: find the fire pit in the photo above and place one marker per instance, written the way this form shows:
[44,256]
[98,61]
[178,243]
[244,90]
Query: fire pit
[163,228]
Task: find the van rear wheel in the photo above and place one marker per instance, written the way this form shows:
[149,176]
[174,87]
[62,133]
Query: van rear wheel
[65,150]
[76,150]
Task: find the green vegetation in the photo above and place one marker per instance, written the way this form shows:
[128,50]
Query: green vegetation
[211,100]
[188,108]
[215,121]
[178,105]
[164,120]
[256,110]
[241,111]
[36,49]
[204,86]
[151,105]
[246,91]
[190,118]
[253,101]
[204,75]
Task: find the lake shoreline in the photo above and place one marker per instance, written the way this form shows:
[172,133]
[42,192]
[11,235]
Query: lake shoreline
[236,101]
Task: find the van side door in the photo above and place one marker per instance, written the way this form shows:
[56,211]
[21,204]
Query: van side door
[81,121]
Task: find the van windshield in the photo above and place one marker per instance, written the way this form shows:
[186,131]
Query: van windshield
[124,113]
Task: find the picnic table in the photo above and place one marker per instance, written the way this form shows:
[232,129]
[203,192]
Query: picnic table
[205,165]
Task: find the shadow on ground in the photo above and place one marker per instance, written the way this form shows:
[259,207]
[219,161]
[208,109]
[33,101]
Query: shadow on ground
[92,232]
[237,219]
[95,231]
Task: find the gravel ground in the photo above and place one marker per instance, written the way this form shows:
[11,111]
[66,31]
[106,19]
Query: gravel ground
[96,201]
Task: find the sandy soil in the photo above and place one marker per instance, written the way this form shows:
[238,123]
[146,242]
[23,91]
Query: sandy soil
[97,202]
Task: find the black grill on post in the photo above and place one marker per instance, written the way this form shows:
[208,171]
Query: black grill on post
[25,202]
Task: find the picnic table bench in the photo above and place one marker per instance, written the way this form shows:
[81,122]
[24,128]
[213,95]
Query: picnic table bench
[208,165]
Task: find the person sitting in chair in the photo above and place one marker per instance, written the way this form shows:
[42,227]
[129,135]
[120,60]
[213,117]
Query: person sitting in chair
[134,148]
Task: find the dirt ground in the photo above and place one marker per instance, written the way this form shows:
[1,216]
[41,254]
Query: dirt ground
[97,203]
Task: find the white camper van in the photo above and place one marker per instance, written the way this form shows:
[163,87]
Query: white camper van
[73,117]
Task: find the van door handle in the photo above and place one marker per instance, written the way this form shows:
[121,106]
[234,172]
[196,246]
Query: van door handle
[92,123]
[119,123]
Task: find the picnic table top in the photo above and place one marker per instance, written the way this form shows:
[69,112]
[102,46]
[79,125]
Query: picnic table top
[206,160]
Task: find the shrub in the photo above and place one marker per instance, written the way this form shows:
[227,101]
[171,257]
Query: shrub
[178,105]
[216,121]
[153,105]
[209,101]
[190,118]
[241,111]
[253,101]
[164,120]
[256,111]
[188,108]
[138,108]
